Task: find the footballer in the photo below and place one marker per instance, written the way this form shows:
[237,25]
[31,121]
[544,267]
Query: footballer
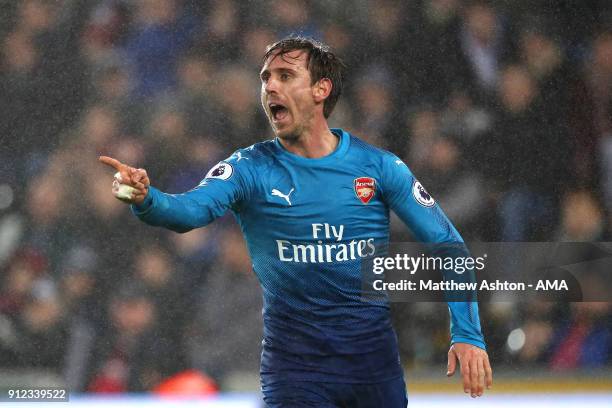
[312,203]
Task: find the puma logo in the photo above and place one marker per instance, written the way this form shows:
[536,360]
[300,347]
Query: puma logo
[277,193]
[239,157]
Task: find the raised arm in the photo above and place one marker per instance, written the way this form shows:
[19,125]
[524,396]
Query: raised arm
[221,189]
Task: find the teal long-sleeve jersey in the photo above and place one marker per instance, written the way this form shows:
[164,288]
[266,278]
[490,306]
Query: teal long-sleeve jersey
[308,223]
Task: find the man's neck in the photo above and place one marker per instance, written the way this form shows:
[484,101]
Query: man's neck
[313,143]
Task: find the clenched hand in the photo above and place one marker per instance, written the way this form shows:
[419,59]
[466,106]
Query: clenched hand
[130,176]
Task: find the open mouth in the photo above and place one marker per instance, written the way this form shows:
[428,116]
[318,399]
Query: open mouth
[279,112]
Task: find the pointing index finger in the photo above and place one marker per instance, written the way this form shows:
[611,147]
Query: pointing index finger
[116,164]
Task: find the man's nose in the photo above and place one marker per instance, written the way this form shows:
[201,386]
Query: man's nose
[270,86]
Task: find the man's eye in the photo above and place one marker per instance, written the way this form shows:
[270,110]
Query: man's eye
[284,77]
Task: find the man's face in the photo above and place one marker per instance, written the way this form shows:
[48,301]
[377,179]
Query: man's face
[287,93]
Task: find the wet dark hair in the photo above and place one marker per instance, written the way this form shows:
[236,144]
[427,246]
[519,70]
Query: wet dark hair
[322,63]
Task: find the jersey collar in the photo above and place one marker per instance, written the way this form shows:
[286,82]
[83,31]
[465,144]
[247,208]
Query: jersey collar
[341,149]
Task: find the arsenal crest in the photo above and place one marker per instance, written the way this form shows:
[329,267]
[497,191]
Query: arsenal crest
[365,188]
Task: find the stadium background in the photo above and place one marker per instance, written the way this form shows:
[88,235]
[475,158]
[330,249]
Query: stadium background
[503,109]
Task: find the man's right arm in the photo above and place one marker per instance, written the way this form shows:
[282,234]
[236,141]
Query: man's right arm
[184,212]
[221,189]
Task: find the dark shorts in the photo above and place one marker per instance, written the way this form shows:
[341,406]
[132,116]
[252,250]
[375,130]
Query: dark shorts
[298,394]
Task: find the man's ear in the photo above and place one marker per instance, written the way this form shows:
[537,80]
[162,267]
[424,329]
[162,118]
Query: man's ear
[322,89]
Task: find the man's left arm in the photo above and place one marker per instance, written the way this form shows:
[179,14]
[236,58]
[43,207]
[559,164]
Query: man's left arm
[424,217]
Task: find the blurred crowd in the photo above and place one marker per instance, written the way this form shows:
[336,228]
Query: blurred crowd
[503,109]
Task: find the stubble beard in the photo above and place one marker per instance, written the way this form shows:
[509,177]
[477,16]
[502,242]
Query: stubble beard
[298,129]
[291,135]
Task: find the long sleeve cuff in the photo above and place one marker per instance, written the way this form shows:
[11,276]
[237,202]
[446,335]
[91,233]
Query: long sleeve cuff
[146,206]
[477,343]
